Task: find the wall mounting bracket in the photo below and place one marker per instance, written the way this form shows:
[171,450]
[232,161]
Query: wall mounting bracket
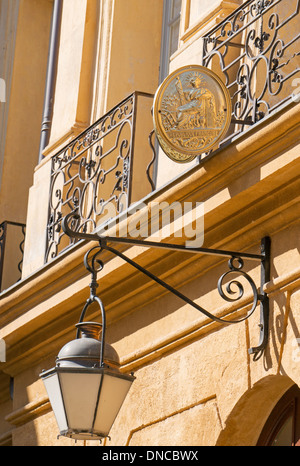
[235,264]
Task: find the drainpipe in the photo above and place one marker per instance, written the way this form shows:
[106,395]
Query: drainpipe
[51,76]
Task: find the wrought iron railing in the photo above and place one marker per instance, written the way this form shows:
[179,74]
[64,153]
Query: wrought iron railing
[257,51]
[96,170]
[12,236]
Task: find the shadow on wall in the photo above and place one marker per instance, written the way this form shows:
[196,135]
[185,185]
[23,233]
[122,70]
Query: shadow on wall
[246,421]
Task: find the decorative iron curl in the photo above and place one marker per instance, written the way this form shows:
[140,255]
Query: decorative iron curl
[93,265]
[91,259]
[91,262]
[240,288]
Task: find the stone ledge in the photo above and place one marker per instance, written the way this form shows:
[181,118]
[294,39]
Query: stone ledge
[28,412]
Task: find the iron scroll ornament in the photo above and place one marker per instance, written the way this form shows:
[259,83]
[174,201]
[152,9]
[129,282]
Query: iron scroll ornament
[235,264]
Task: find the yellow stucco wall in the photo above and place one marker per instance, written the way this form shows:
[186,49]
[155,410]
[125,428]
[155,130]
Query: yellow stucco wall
[195,382]
[26,97]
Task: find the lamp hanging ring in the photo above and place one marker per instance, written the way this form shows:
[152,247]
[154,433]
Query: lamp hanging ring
[103,323]
[90,301]
[94,265]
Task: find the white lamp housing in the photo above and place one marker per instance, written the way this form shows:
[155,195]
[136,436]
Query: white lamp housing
[84,396]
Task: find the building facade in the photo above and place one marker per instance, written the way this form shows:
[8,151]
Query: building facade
[77,86]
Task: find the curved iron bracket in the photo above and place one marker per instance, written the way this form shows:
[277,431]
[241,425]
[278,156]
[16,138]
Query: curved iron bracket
[264,300]
[235,265]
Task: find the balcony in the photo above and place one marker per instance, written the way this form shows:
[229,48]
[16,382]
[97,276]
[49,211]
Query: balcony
[256,49]
[102,171]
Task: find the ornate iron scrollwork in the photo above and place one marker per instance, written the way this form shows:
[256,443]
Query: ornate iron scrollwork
[238,293]
[262,34]
[235,263]
[92,172]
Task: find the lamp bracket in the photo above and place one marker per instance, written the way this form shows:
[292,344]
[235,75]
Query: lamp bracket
[235,265]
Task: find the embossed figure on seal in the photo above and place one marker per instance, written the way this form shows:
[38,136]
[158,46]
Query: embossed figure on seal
[194,103]
[193,107]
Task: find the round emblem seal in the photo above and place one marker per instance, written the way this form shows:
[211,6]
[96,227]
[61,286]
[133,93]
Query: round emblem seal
[191,112]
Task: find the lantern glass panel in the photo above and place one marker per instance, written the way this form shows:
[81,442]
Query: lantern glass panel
[80,392]
[113,392]
[52,386]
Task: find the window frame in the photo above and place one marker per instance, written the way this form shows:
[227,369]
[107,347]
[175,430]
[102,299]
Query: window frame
[288,405]
[167,24]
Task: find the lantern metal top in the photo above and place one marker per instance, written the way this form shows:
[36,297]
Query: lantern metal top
[85,351]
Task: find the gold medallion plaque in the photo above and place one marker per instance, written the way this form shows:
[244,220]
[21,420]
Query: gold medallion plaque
[191,112]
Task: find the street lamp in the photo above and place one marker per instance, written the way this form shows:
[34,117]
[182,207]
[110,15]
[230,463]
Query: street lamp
[86,388]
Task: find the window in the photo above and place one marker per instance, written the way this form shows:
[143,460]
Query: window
[170,34]
[282,428]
